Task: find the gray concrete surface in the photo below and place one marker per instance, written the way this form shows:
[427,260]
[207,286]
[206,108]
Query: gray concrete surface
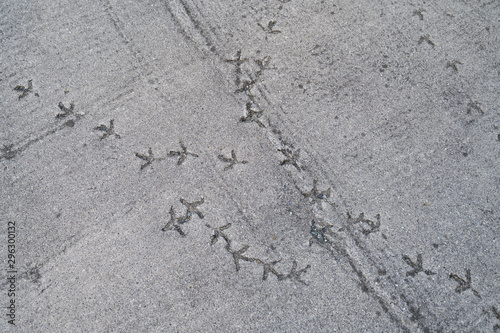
[377,120]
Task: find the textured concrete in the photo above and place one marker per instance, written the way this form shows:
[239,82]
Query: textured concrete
[329,166]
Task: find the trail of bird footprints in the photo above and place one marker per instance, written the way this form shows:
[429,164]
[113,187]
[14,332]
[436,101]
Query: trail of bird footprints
[268,267]
[248,73]
[238,256]
[315,195]
[369,226]
[246,81]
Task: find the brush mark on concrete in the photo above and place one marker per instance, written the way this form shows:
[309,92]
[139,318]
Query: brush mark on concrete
[193,21]
[120,29]
[9,151]
[366,286]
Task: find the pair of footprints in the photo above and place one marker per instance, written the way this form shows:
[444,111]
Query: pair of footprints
[319,233]
[26,90]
